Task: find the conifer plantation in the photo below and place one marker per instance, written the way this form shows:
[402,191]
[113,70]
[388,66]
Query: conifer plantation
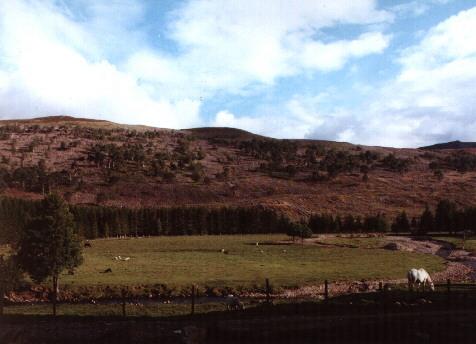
[91,222]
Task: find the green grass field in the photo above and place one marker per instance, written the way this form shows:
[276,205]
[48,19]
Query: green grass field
[182,261]
[355,242]
[470,244]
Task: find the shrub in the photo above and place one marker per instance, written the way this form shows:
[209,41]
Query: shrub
[299,230]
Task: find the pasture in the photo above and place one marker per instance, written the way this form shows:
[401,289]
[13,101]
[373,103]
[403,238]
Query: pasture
[185,260]
[469,245]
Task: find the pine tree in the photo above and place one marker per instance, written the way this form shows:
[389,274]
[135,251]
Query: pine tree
[337,224]
[414,224]
[48,245]
[401,223]
[427,222]
[445,216]
[349,224]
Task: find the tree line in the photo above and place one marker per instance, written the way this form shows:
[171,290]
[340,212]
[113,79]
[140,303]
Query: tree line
[446,217]
[101,222]
[327,223]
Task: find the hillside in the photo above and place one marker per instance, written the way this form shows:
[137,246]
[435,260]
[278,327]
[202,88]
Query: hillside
[100,162]
[452,145]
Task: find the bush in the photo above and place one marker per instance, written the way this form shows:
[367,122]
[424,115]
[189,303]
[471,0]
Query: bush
[299,230]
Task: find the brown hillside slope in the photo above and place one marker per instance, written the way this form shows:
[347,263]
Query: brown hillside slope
[93,161]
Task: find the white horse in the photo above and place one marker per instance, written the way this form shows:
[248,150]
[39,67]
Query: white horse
[420,277]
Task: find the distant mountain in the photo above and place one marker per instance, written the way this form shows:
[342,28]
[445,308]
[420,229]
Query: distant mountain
[451,145]
[224,133]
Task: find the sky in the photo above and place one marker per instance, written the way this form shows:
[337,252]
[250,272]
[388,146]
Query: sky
[387,73]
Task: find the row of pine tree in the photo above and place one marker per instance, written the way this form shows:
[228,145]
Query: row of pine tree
[102,222]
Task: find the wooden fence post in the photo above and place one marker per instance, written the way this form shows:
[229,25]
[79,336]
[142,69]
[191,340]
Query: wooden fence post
[384,298]
[123,302]
[2,299]
[55,296]
[326,290]
[268,297]
[448,292]
[193,299]
[465,299]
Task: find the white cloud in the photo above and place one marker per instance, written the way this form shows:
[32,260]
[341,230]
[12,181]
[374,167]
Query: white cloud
[431,99]
[298,117]
[53,65]
[281,126]
[234,45]
[92,59]
[333,56]
[436,84]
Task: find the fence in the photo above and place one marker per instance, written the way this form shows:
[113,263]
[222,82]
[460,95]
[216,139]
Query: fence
[448,294]
[267,299]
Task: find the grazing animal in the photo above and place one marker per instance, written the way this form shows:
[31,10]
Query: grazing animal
[108,270]
[87,244]
[122,258]
[234,303]
[420,277]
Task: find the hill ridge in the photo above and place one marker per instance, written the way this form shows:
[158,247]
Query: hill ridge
[100,162]
[451,145]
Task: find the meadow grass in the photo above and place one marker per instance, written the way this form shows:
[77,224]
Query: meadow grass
[470,244]
[371,242]
[185,260]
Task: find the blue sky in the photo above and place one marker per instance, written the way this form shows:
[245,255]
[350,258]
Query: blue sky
[392,73]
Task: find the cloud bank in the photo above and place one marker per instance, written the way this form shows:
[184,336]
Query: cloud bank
[53,63]
[128,62]
[431,99]
[94,60]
